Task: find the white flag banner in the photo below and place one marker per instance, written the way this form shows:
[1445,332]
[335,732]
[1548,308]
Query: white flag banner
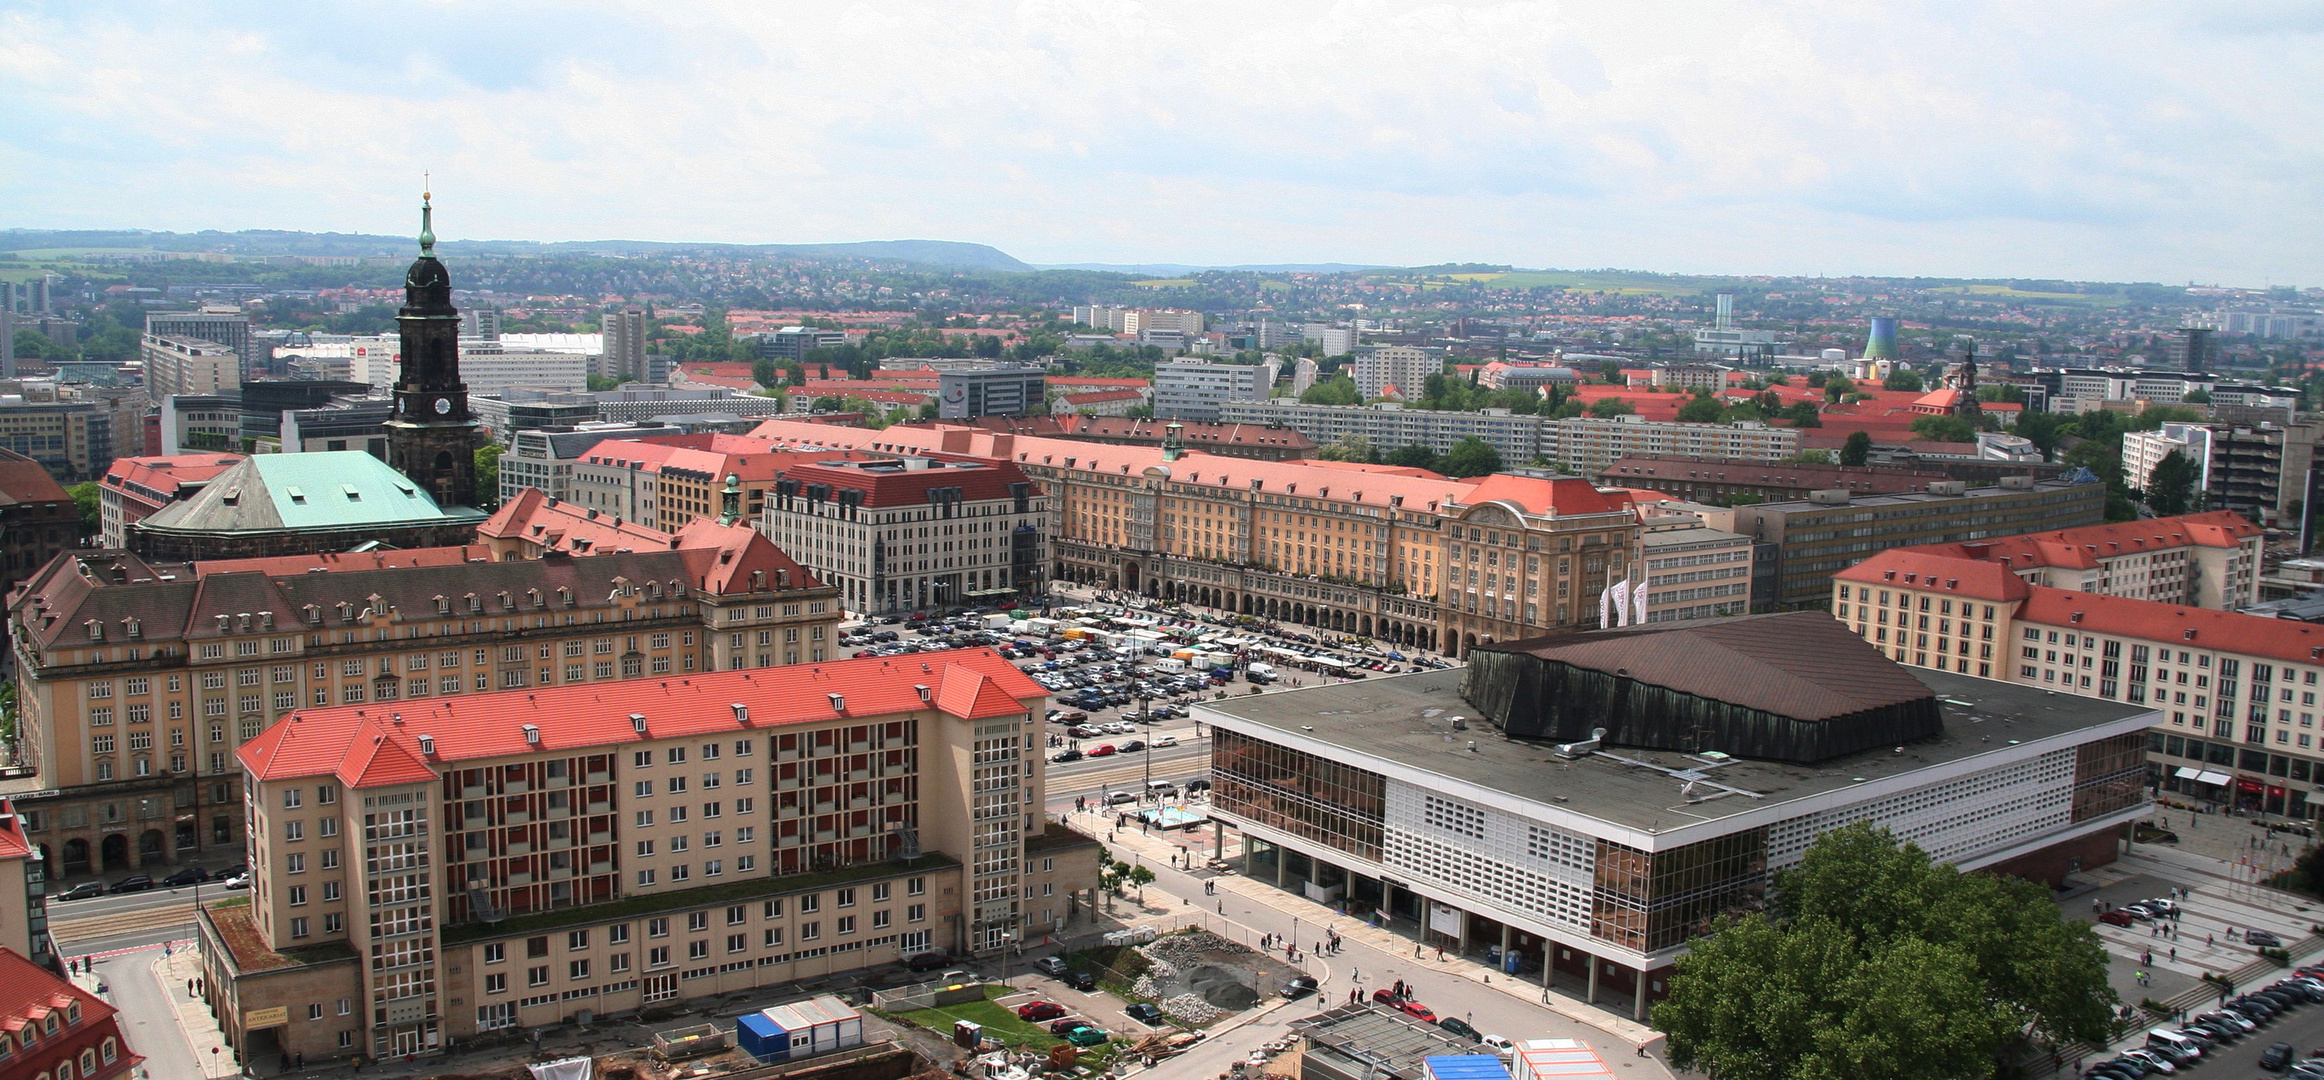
[1621,591]
[1605,608]
[1638,603]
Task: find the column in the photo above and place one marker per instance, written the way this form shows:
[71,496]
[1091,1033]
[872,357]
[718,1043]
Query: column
[1281,857]
[1387,901]
[1505,947]
[1218,839]
[1592,997]
[1638,999]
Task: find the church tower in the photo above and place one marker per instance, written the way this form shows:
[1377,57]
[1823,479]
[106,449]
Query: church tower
[431,437]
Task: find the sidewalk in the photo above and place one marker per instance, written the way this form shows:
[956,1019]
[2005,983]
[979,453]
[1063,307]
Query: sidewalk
[176,972]
[1158,848]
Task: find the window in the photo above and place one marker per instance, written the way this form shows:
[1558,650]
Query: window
[537,976]
[617,934]
[496,983]
[697,950]
[576,940]
[577,969]
[496,953]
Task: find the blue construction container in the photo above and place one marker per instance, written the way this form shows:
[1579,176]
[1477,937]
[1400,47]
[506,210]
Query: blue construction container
[761,1038]
[800,1029]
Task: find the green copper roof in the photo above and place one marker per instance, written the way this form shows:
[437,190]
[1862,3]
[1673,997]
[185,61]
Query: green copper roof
[329,490]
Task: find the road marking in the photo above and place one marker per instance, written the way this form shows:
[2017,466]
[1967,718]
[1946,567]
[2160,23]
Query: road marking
[111,953]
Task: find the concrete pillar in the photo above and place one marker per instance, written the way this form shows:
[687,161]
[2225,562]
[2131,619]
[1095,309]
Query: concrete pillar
[1638,1000]
[1505,947]
[1279,861]
[1387,901]
[1463,945]
[1592,997]
[1218,841]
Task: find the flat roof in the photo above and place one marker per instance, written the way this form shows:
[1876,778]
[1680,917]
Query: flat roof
[1407,721]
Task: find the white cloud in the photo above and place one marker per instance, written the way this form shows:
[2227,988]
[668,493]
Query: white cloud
[2156,141]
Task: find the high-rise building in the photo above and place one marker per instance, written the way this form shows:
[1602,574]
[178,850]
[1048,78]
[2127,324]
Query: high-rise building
[2188,348]
[223,324]
[993,391]
[186,365]
[432,439]
[625,343]
[1406,368]
[1194,389]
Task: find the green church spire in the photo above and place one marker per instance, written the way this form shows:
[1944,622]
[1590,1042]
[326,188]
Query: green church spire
[427,227]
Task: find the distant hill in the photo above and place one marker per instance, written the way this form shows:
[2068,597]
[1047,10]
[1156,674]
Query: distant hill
[260,242]
[1177,269]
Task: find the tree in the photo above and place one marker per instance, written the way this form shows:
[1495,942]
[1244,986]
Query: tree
[1704,409]
[2191,397]
[1815,457]
[488,475]
[765,373]
[1857,450]
[1349,448]
[1337,390]
[1837,387]
[1876,961]
[1902,378]
[1607,408]
[1471,457]
[1141,876]
[2170,487]
[1414,456]
[1951,429]
[1804,414]
[91,504]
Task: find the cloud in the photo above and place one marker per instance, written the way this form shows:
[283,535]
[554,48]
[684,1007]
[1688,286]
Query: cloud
[2120,141]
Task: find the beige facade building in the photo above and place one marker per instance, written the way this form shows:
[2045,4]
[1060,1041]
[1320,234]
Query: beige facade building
[1586,445]
[513,860]
[137,680]
[184,365]
[1526,557]
[1693,572]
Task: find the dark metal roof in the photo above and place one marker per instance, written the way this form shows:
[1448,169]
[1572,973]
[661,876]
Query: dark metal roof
[1802,665]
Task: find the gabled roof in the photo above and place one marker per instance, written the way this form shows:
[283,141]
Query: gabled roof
[23,480]
[382,741]
[2086,547]
[326,490]
[167,474]
[1546,497]
[550,524]
[1911,568]
[2176,625]
[29,993]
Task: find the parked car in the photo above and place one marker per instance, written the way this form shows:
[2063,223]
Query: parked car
[1103,750]
[1145,1013]
[1066,1026]
[1051,966]
[2276,1056]
[2263,939]
[187,876]
[132,883]
[83,891]
[1079,980]
[1460,1027]
[1086,1036]
[238,881]
[2115,918]
[1163,742]
[1063,756]
[927,961]
[1040,1010]
[1416,1010]
[1117,798]
[1298,988]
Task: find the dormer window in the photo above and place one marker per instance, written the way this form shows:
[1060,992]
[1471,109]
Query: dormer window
[475,603]
[346,610]
[564,596]
[443,604]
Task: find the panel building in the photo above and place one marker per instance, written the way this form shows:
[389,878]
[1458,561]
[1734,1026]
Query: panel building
[1730,747]
[521,859]
[994,391]
[184,365]
[1389,426]
[1195,389]
[223,325]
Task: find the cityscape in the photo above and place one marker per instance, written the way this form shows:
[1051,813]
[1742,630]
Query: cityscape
[1876,635]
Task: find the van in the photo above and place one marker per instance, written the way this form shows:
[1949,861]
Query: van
[1163,788]
[2173,1040]
[1117,798]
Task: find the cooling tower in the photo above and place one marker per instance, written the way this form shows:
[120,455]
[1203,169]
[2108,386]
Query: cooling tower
[1882,344]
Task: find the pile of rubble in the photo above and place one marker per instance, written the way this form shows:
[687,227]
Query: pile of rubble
[1192,1009]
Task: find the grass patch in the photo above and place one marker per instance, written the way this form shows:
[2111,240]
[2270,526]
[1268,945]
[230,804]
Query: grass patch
[1165,283]
[999,1021]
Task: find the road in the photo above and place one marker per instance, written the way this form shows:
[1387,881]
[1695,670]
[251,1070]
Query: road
[2239,1060]
[147,1020]
[107,923]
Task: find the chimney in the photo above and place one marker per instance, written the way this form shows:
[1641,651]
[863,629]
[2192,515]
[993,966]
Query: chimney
[532,735]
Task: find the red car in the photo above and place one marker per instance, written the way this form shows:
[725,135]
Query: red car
[2115,918]
[1416,1009]
[1062,1027]
[1040,1010]
[1386,997]
[1104,750]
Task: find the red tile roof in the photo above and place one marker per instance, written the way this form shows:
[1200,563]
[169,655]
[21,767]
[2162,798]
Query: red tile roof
[2083,548]
[2181,627]
[1911,568]
[552,524]
[29,994]
[1538,495]
[166,474]
[330,561]
[350,740]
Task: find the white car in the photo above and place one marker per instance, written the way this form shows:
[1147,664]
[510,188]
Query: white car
[1161,741]
[238,881]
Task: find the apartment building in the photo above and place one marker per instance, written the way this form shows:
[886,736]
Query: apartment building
[222,324]
[185,365]
[1403,367]
[1586,445]
[1548,552]
[624,350]
[2234,694]
[1329,544]
[544,460]
[1720,480]
[137,679]
[450,869]
[1197,389]
[1390,426]
[1828,532]
[902,533]
[76,440]
[1695,572]
[2208,560]
[993,391]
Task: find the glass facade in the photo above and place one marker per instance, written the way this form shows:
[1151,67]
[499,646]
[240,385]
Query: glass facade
[1310,797]
[1649,902]
[2109,775]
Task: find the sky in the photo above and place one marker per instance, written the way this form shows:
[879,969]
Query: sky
[2121,141]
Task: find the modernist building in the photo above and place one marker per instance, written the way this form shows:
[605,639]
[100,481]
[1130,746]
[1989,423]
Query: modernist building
[456,868]
[183,365]
[901,533]
[1730,747]
[543,460]
[1831,531]
[137,679]
[201,422]
[1720,480]
[1390,426]
[76,440]
[993,391]
[222,324]
[1195,389]
[1586,445]
[293,504]
[1694,572]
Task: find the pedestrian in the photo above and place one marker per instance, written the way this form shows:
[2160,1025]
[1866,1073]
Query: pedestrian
[2174,954]
[1440,954]
[299,1061]
[2206,941]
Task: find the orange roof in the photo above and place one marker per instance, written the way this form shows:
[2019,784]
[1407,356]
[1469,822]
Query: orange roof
[166,473]
[1539,495]
[2182,627]
[2085,547]
[379,744]
[1918,569]
[538,518]
[284,565]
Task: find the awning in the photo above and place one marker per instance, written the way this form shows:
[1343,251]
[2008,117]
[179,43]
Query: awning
[2185,772]
[992,592]
[2215,778]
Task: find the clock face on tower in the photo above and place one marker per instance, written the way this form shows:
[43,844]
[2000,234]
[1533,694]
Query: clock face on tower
[443,406]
